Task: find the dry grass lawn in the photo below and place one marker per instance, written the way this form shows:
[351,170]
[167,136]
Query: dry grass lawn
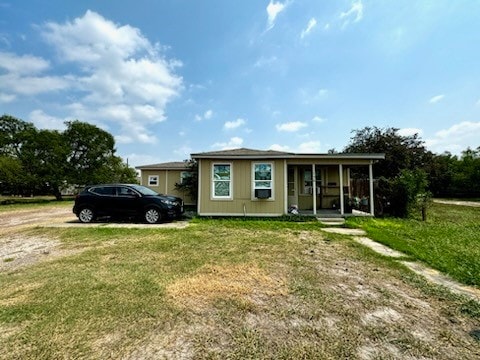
[226,290]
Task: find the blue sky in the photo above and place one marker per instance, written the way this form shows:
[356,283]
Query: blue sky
[172,77]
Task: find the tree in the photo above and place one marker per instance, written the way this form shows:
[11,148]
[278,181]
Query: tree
[45,152]
[90,149]
[13,133]
[44,161]
[401,152]
[11,175]
[190,183]
[441,171]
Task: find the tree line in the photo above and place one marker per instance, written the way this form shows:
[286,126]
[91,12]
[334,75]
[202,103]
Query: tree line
[38,161]
[410,174]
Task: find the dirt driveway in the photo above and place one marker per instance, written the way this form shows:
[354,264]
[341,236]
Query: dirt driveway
[18,248]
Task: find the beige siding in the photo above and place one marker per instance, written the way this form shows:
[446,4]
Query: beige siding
[242,193]
[166,184]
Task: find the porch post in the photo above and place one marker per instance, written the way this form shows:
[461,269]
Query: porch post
[166,182]
[285,187]
[314,191]
[340,171]
[199,188]
[372,198]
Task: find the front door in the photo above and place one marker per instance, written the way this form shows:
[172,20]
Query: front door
[292,186]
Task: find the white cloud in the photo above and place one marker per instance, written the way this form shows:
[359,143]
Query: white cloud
[310,147]
[45,121]
[6,98]
[206,115]
[23,76]
[265,62]
[273,9]
[122,77]
[318,119]
[409,131]
[456,138]
[183,152]
[436,99]
[291,126]
[311,24]
[140,159]
[354,14]
[230,125]
[233,143]
[26,64]
[278,147]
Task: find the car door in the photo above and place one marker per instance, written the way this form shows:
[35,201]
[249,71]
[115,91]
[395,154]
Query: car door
[103,198]
[127,201]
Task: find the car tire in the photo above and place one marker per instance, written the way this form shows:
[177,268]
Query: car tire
[86,215]
[152,216]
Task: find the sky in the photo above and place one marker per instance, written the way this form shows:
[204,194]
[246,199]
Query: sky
[169,78]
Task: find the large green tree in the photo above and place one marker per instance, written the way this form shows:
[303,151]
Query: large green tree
[45,152]
[401,151]
[45,161]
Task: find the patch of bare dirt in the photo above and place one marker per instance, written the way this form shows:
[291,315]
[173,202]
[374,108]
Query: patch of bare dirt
[19,250]
[334,304]
[14,220]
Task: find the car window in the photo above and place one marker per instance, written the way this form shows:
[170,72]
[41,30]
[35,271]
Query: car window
[144,190]
[124,191]
[103,190]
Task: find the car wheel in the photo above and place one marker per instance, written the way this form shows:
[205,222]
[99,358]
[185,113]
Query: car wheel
[86,215]
[152,216]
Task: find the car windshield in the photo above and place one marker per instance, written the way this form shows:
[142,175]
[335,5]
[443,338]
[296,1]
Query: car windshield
[144,190]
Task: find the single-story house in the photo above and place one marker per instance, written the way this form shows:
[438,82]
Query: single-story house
[268,183]
[163,177]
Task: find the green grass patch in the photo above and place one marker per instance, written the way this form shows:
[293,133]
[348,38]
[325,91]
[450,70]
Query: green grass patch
[219,288]
[20,203]
[449,241]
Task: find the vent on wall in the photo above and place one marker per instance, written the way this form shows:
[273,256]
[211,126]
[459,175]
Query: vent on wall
[263,193]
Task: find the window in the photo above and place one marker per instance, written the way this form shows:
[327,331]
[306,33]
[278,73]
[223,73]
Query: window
[263,179]
[184,176]
[153,180]
[124,191]
[222,181]
[103,190]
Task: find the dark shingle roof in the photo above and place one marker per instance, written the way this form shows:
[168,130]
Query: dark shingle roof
[241,152]
[174,165]
[244,153]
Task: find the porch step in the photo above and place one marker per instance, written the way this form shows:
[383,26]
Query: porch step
[331,221]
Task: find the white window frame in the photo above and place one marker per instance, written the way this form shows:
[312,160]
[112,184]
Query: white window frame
[272,180]
[230,187]
[153,180]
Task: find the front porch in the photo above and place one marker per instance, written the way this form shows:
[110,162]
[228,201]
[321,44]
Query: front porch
[333,214]
[325,190]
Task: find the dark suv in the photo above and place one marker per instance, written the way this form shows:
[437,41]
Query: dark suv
[126,201]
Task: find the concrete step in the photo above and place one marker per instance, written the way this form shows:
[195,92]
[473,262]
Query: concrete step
[331,221]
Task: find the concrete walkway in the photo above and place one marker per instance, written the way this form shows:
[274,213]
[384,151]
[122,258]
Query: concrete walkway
[457,202]
[430,274]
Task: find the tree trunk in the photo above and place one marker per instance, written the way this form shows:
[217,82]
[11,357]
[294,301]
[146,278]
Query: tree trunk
[57,193]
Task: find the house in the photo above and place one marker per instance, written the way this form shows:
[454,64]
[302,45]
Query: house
[163,177]
[268,183]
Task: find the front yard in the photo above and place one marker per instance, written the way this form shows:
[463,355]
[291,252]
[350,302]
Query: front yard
[449,241]
[225,289]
